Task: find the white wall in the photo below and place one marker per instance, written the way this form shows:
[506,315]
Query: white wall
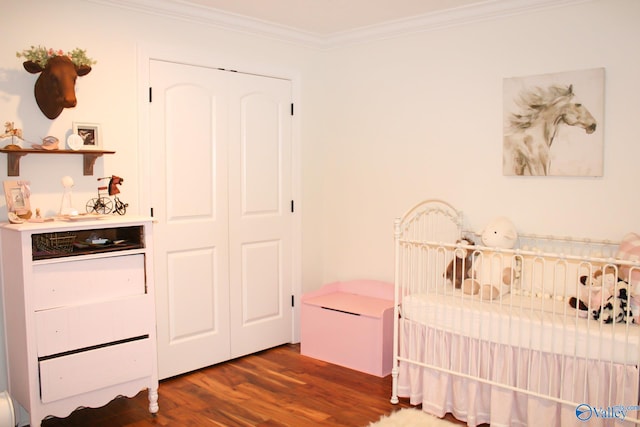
[110,95]
[420,117]
[383,125]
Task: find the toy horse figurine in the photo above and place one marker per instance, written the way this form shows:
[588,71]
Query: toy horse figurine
[119,206]
[113,184]
[103,204]
[10,131]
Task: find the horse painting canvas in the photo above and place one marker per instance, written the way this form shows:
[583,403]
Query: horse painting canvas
[553,124]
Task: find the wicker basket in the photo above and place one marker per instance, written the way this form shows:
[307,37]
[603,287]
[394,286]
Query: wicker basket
[57,243]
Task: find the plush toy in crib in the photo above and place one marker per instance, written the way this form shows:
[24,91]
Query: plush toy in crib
[596,289]
[462,260]
[494,272]
[606,298]
[629,250]
[619,307]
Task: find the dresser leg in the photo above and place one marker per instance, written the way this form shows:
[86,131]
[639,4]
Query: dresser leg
[153,400]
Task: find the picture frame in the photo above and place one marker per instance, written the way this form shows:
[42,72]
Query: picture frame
[17,194]
[90,133]
[552,124]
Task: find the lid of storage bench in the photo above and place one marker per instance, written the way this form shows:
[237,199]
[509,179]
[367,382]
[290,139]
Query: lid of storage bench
[352,303]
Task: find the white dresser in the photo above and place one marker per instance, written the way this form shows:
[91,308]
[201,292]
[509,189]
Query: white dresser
[79,313]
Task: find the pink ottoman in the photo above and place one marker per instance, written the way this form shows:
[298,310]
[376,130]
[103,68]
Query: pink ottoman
[350,324]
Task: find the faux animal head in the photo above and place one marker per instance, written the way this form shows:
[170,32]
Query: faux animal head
[500,233]
[55,87]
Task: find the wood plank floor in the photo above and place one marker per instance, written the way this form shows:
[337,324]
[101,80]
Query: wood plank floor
[276,387]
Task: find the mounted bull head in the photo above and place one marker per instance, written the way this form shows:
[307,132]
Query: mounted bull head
[55,87]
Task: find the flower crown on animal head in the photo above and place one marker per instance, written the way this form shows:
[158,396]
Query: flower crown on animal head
[41,55]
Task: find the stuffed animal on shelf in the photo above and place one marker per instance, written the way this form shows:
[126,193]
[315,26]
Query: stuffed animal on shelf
[493,272]
[460,266]
[596,289]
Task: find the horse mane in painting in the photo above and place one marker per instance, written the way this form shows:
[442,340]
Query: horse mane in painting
[531,131]
[533,101]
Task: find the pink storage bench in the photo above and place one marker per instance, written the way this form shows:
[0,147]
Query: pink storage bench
[350,324]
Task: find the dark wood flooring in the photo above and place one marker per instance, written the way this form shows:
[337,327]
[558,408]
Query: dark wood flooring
[272,388]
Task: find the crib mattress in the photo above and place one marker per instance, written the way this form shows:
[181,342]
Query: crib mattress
[527,322]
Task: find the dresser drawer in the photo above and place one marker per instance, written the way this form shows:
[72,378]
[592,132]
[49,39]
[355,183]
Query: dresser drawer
[72,328]
[80,281]
[95,369]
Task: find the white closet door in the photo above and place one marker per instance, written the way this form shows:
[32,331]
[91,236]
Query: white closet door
[221,162]
[188,138]
[260,218]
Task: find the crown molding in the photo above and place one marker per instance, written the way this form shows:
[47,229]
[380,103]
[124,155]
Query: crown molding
[216,18]
[487,10]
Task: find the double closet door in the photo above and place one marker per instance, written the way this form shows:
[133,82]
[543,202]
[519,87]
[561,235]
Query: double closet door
[222,202]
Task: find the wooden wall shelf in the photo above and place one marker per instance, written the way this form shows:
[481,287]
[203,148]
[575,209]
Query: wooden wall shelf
[13,158]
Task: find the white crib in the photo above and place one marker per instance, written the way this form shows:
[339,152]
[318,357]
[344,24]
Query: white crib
[525,358]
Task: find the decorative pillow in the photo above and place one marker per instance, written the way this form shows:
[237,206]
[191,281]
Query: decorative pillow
[629,250]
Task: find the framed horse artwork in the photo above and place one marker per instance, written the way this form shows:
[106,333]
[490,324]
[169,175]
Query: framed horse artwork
[553,124]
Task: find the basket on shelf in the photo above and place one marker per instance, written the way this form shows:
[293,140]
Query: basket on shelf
[55,242]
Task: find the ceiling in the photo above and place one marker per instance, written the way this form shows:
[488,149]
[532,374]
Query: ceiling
[327,17]
[330,23]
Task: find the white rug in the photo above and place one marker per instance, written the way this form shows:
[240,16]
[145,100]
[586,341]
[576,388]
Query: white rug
[410,417]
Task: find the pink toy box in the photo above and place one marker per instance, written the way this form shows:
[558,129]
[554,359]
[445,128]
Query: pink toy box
[350,324]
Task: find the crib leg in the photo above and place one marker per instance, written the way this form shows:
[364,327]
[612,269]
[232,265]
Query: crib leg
[394,385]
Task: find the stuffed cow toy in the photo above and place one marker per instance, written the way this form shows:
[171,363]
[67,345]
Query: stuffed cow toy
[619,307]
[596,290]
[494,272]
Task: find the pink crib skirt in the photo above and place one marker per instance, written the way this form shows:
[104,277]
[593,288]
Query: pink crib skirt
[600,384]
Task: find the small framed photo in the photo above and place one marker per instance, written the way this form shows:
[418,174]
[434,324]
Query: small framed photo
[17,194]
[90,134]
